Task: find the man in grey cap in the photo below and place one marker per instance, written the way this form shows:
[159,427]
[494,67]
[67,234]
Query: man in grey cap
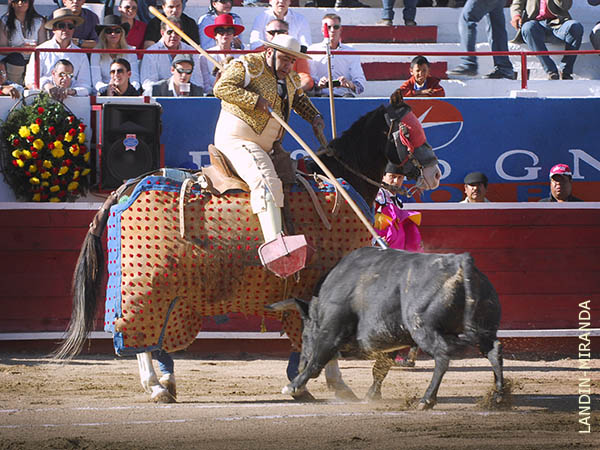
[475,188]
[179,84]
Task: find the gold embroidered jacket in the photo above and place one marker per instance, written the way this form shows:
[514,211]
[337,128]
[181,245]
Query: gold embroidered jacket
[247,77]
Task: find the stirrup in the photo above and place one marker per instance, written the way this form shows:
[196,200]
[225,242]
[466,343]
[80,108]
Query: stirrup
[286,255]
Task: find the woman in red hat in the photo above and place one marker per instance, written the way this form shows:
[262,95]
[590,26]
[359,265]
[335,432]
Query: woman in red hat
[217,8]
[223,32]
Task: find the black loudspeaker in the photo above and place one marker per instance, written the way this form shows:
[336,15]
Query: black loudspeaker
[130,142]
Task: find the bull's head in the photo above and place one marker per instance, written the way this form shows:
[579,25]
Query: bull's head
[410,149]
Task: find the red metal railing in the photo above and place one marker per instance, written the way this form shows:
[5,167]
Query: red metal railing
[522,54]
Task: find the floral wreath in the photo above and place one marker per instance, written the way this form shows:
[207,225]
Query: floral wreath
[43,152]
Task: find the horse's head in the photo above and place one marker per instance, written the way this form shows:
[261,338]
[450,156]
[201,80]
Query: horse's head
[409,148]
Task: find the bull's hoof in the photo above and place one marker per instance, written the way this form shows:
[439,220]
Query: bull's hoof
[426,404]
[168,382]
[161,395]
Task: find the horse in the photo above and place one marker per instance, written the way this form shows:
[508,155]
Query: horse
[178,253]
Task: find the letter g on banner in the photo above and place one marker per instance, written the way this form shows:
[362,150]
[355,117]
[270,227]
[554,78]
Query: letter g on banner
[531,173]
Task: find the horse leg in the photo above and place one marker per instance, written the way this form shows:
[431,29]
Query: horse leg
[494,355]
[167,368]
[382,365]
[149,380]
[335,383]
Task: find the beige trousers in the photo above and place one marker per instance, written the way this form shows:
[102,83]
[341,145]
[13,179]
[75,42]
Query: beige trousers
[248,154]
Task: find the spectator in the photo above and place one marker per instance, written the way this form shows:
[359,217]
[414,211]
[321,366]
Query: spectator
[112,36]
[421,84]
[178,84]
[58,86]
[13,90]
[301,66]
[346,71]
[85,35]
[350,4]
[408,13]
[218,8]
[476,184]
[137,28]
[472,13]
[156,67]
[223,31]
[20,26]
[536,19]
[62,24]
[595,33]
[119,83]
[172,8]
[561,185]
[298,25]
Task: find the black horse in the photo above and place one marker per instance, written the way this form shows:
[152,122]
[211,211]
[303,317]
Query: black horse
[151,244]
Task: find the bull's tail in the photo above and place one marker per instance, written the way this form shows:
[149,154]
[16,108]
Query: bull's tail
[471,299]
[86,283]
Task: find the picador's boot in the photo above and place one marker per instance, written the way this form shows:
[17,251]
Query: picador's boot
[282,255]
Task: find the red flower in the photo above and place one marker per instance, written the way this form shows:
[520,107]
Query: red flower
[16,142]
[71,119]
[40,110]
[81,127]
[27,173]
[82,149]
[51,145]
[38,121]
[61,194]
[72,131]
[34,155]
[15,163]
[60,137]
[68,162]
[52,130]
[30,138]
[55,170]
[31,147]
[44,196]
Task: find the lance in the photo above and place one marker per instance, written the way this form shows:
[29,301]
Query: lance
[329,76]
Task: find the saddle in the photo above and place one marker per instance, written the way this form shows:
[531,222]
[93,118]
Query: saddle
[220,175]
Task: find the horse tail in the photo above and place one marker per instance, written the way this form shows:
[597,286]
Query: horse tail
[87,279]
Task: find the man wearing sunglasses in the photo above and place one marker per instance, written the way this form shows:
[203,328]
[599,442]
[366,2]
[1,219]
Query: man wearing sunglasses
[346,71]
[186,23]
[59,85]
[119,84]
[157,67]
[178,85]
[299,27]
[62,25]
[246,133]
[85,35]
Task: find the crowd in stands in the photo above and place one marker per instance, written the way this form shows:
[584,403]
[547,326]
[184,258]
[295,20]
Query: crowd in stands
[117,73]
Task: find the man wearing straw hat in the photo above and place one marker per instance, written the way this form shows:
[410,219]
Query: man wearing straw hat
[62,25]
[246,133]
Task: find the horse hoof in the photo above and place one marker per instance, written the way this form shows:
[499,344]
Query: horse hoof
[288,390]
[161,395]
[304,396]
[168,382]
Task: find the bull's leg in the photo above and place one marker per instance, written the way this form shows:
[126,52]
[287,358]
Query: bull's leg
[495,357]
[382,365]
[333,377]
[442,361]
[312,370]
[149,380]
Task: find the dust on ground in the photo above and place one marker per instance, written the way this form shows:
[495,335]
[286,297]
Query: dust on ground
[96,402]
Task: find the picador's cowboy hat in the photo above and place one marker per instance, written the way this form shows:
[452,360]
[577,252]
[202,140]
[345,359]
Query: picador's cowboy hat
[223,21]
[112,21]
[63,14]
[287,44]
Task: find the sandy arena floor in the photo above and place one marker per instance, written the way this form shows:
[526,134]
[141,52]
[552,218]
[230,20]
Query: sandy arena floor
[96,402]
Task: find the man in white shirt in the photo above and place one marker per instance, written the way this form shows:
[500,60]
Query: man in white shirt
[299,27]
[157,67]
[346,72]
[59,86]
[63,25]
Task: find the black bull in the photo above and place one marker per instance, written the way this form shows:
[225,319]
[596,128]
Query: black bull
[375,301]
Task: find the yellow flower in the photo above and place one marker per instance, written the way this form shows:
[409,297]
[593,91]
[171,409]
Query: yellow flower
[73,185]
[26,154]
[55,188]
[36,197]
[86,157]
[63,170]
[81,138]
[46,175]
[68,137]
[47,164]
[24,131]
[58,144]
[58,152]
[54,199]
[74,149]
[32,168]
[45,184]
[16,154]
[84,172]
[34,180]
[20,163]
[75,174]
[35,128]
[38,144]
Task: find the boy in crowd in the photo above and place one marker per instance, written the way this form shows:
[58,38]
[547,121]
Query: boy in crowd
[421,84]
[119,85]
